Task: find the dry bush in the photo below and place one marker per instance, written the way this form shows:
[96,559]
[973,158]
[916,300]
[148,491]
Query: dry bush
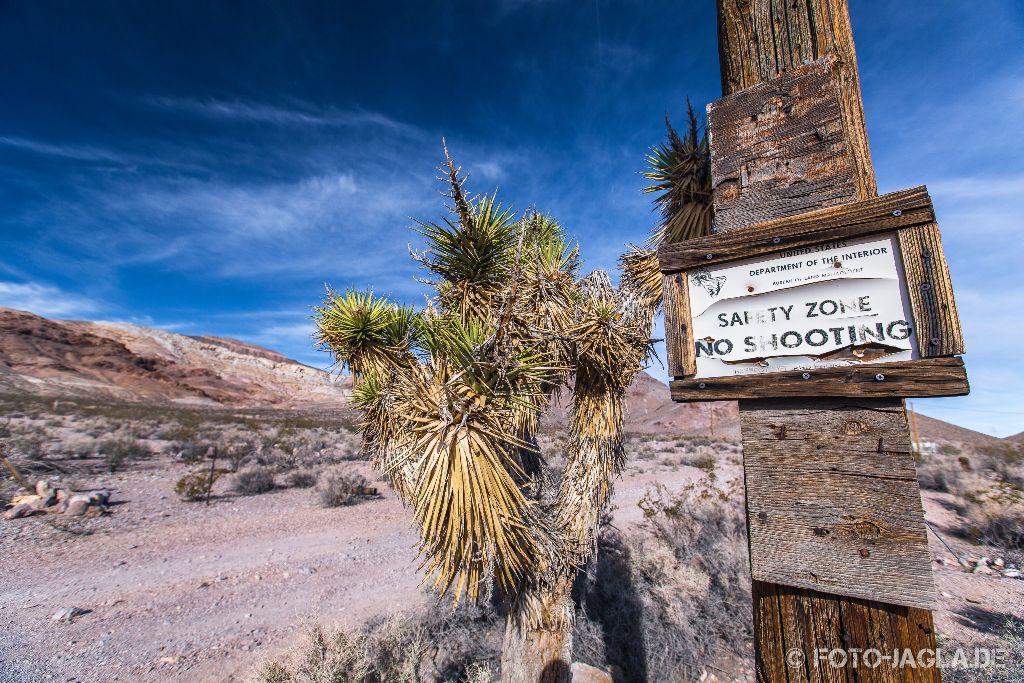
[324,657]
[1009,670]
[301,479]
[939,474]
[338,486]
[990,490]
[118,452]
[438,644]
[238,451]
[189,451]
[23,442]
[253,481]
[664,605]
[996,515]
[197,485]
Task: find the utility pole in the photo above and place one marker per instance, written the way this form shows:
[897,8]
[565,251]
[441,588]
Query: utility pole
[820,307]
[915,434]
[760,41]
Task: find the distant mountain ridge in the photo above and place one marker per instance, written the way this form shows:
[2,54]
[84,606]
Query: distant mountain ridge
[130,362]
[134,363]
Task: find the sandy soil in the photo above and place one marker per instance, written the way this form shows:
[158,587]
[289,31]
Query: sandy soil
[179,591]
[183,592]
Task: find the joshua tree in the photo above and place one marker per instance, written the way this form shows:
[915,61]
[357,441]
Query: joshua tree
[680,171]
[451,395]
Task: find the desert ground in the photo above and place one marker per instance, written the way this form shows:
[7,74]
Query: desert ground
[173,590]
[157,581]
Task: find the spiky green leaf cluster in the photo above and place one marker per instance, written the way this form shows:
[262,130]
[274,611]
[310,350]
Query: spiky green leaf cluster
[450,397]
[680,169]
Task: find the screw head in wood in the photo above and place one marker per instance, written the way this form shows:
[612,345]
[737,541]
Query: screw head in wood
[702,386]
[934,341]
[776,240]
[864,552]
[925,286]
[709,257]
[880,377]
[897,212]
[806,375]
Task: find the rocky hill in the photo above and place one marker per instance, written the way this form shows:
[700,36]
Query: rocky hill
[129,362]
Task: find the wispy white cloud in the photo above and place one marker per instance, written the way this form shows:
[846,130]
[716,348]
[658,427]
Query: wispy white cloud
[488,170]
[323,224]
[46,300]
[66,151]
[302,114]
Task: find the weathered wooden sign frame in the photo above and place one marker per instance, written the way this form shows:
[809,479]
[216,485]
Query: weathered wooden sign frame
[910,216]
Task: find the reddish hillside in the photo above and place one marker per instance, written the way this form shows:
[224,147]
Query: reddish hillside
[649,410]
[58,357]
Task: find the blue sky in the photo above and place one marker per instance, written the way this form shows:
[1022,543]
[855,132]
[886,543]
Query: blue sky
[207,167]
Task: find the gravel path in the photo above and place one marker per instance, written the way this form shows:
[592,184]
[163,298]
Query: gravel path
[181,591]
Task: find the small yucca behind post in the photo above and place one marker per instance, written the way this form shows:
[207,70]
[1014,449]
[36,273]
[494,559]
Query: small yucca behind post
[451,395]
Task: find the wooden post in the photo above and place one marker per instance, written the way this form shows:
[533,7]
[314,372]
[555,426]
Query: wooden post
[837,470]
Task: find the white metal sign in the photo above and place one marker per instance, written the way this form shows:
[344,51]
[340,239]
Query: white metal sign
[829,305]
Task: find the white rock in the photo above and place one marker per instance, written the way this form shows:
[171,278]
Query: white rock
[68,614]
[1013,573]
[584,673]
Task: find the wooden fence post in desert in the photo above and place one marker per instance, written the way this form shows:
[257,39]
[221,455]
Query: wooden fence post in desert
[819,306]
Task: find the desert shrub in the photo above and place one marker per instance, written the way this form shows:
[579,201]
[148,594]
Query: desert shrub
[74,450]
[239,451]
[324,657]
[197,485]
[339,486]
[668,603]
[934,474]
[702,460]
[394,646]
[252,481]
[1008,452]
[25,443]
[996,515]
[302,479]
[478,673]
[118,452]
[189,451]
[186,430]
[1009,670]
[948,449]
[437,644]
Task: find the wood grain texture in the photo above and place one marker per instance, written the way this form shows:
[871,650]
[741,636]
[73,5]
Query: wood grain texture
[679,347]
[897,210]
[825,623]
[926,377]
[936,321]
[779,149]
[760,39]
[833,501]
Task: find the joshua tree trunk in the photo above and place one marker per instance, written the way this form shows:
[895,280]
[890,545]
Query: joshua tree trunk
[538,635]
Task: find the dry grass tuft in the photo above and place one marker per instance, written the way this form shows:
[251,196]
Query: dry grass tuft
[253,481]
[338,486]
